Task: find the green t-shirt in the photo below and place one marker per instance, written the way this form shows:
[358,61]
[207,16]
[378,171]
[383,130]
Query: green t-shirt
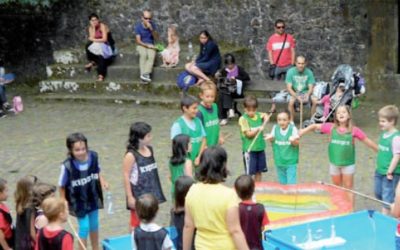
[300,81]
[385,154]
[176,171]
[210,124]
[285,154]
[259,144]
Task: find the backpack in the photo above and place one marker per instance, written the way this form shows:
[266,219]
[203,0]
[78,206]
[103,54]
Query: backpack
[185,80]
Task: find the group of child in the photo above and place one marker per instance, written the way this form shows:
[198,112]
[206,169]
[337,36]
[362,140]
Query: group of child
[81,183]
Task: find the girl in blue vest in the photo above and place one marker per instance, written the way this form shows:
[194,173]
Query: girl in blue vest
[140,169]
[285,148]
[81,185]
[342,156]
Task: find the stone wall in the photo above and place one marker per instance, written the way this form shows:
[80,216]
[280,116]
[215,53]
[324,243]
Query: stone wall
[328,32]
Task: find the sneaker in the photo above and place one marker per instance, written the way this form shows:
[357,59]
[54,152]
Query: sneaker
[231,113]
[2,115]
[8,108]
[223,122]
[145,78]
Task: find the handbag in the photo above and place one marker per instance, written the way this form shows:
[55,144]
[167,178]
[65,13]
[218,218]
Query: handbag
[272,67]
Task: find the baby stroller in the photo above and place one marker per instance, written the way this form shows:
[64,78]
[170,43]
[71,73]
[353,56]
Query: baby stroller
[350,85]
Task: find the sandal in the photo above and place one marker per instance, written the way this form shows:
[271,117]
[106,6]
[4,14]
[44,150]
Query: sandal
[100,78]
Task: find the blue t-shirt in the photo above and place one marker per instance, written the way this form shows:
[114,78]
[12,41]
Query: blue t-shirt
[145,34]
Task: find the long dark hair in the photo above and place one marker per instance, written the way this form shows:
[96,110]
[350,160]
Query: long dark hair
[137,132]
[182,186]
[180,146]
[72,139]
[212,169]
[207,34]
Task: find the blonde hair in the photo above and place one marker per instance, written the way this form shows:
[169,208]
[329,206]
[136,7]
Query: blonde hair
[41,191]
[208,85]
[390,113]
[53,207]
[23,193]
[349,124]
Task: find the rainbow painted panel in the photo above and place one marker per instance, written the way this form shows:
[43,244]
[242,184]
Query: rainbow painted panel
[294,204]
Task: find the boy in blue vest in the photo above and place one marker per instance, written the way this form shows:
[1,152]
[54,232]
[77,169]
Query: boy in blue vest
[149,235]
[189,124]
[387,172]
[6,232]
[253,217]
[251,124]
[208,114]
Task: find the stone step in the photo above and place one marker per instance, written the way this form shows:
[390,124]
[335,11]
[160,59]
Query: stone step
[166,102]
[114,72]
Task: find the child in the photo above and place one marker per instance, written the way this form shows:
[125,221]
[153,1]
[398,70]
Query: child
[170,55]
[208,114]
[387,172]
[53,235]
[190,125]
[5,107]
[140,169]
[330,102]
[250,124]
[182,186]
[285,147]
[6,230]
[341,149]
[253,217]
[81,185]
[149,235]
[41,191]
[24,230]
[180,164]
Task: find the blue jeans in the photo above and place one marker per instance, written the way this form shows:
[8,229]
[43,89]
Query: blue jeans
[384,188]
[88,223]
[3,98]
[287,174]
[397,240]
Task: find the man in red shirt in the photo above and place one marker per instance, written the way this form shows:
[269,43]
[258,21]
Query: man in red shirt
[281,41]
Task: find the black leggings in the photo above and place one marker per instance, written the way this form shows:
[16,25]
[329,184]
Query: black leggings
[100,61]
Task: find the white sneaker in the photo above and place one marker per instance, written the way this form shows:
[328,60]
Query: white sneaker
[223,122]
[145,78]
[231,113]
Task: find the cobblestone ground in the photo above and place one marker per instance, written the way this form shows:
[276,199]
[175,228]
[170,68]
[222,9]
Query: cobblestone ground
[33,142]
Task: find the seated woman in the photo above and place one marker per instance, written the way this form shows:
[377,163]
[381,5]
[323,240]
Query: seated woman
[231,83]
[170,55]
[208,61]
[100,34]
[216,218]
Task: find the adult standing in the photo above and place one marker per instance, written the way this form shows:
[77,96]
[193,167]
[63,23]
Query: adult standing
[216,219]
[208,61]
[99,34]
[281,50]
[146,34]
[300,84]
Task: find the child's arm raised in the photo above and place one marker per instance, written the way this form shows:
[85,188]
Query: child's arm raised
[3,242]
[312,127]
[188,168]
[127,165]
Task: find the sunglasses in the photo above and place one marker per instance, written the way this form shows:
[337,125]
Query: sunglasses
[280,27]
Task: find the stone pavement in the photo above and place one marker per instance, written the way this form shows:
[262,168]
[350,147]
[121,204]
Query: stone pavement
[33,142]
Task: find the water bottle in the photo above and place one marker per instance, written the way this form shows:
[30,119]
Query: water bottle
[190,50]
[109,202]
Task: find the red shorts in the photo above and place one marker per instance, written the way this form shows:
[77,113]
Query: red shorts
[135,222]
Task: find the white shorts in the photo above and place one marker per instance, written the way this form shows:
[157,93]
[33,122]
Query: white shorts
[335,170]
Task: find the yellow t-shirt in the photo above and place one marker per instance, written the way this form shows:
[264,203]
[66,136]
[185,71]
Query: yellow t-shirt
[208,205]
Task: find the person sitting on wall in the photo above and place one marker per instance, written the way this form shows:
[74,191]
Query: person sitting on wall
[146,34]
[100,48]
[208,61]
[232,80]
[300,84]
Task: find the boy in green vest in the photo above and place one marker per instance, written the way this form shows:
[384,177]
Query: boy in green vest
[190,125]
[387,172]
[250,124]
[285,146]
[208,114]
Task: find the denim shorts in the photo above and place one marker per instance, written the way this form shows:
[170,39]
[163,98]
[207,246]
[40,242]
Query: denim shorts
[384,188]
